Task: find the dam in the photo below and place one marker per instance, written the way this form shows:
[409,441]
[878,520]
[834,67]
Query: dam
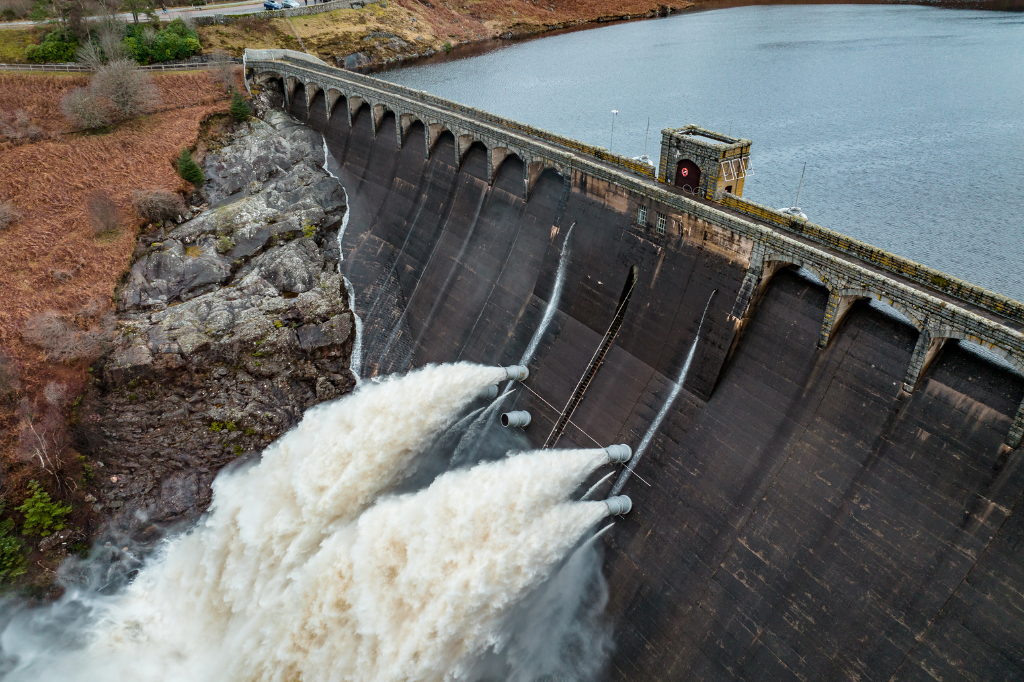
[836,491]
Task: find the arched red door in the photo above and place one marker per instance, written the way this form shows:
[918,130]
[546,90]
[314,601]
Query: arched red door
[688,175]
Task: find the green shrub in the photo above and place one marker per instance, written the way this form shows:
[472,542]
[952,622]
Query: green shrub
[239,107]
[447,48]
[55,48]
[12,551]
[42,515]
[188,169]
[176,41]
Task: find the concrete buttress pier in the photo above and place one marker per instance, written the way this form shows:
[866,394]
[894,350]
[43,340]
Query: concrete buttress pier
[837,491]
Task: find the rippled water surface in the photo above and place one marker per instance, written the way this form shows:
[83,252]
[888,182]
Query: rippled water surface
[909,118]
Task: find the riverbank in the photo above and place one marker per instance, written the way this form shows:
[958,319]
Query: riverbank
[393,33]
[404,32]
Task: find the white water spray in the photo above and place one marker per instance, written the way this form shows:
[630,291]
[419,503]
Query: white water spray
[552,307]
[356,361]
[663,412]
[303,570]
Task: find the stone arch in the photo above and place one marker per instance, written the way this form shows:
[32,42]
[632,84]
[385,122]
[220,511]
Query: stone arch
[435,130]
[298,106]
[389,117]
[1007,355]
[405,124]
[337,105]
[840,302]
[266,76]
[772,263]
[291,84]
[535,170]
[312,88]
[316,112]
[356,104]
[379,110]
[495,158]
[912,315]
[331,97]
[464,142]
[443,135]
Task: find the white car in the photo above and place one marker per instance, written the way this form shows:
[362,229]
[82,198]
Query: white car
[290,4]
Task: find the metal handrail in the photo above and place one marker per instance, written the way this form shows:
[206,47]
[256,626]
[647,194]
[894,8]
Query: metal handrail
[82,68]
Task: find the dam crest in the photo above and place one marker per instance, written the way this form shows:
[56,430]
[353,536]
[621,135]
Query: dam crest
[836,493]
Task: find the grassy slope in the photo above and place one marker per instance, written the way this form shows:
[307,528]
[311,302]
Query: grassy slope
[14,41]
[418,28]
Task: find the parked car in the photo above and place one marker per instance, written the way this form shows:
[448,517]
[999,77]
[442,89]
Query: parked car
[270,4]
[291,4]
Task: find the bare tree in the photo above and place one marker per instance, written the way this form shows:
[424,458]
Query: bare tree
[129,90]
[83,108]
[90,54]
[107,46]
[224,70]
[109,34]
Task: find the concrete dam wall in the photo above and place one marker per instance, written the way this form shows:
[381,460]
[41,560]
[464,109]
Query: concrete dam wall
[837,491]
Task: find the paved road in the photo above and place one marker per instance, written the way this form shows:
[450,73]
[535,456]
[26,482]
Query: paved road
[172,12]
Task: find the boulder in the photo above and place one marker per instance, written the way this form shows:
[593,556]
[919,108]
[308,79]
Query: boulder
[231,325]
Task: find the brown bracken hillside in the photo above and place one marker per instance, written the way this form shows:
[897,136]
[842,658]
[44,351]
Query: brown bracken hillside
[52,259]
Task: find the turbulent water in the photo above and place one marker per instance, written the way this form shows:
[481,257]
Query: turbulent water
[309,566]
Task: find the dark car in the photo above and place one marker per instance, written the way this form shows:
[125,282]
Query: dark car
[270,4]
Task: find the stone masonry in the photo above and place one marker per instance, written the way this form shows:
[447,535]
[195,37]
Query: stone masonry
[941,307]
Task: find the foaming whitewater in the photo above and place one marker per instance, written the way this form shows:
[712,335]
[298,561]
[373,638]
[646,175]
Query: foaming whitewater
[356,361]
[307,568]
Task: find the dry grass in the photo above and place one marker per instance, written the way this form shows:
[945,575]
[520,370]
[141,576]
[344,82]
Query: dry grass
[157,205]
[342,32]
[49,183]
[38,95]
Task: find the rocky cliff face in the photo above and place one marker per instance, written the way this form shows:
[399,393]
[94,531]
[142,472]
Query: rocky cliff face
[231,324]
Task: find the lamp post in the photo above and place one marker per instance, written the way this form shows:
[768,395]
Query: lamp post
[611,142]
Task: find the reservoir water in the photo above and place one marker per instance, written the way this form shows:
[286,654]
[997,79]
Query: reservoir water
[908,118]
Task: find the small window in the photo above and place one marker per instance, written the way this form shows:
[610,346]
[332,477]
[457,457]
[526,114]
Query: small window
[662,221]
[728,188]
[641,215]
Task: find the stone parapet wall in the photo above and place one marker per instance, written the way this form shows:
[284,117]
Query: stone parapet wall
[847,280]
[595,151]
[930,277]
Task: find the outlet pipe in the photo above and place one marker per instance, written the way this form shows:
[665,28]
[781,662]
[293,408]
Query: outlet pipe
[619,453]
[618,505]
[516,372]
[519,418]
[491,392]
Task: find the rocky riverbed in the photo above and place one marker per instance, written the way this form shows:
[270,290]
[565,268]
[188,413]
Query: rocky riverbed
[231,324]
